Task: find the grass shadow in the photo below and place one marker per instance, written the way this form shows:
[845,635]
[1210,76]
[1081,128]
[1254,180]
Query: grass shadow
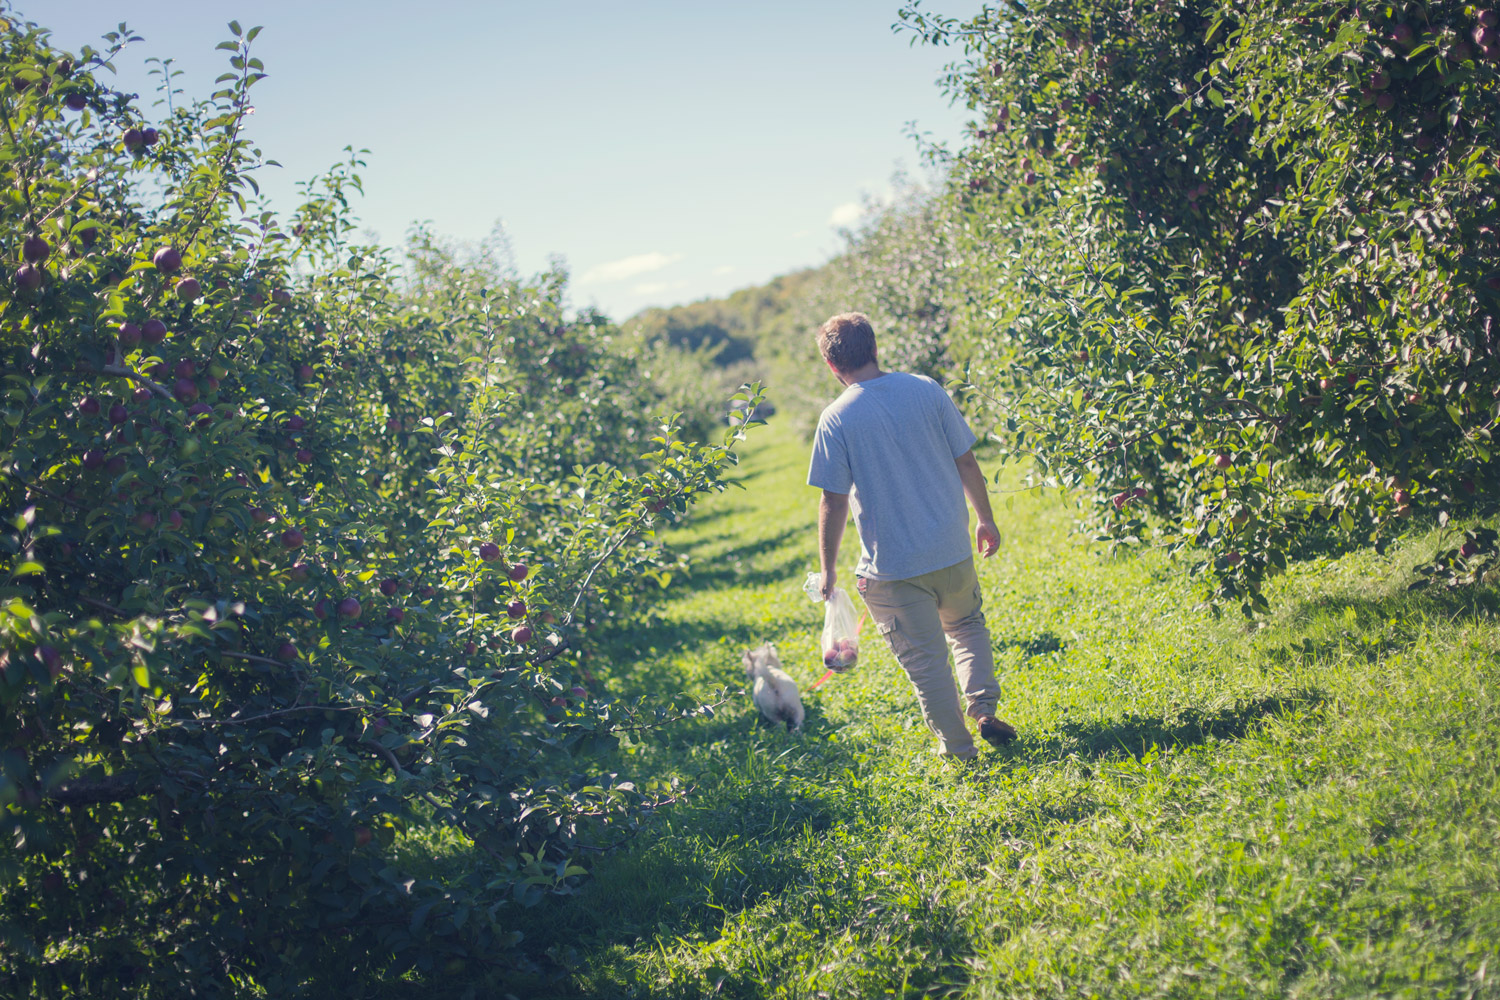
[1135,735]
[739,838]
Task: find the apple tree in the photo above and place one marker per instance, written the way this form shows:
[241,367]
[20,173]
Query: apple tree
[1236,267]
[301,545]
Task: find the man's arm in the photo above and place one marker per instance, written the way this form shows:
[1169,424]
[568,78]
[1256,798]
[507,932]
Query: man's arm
[986,535]
[833,514]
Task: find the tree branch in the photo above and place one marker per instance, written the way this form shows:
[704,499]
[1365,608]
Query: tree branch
[120,371]
[115,788]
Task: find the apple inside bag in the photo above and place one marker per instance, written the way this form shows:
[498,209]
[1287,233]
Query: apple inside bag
[840,632]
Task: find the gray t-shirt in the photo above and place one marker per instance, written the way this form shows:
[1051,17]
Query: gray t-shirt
[889,443]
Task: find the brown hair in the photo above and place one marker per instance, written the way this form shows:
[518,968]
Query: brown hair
[847,341]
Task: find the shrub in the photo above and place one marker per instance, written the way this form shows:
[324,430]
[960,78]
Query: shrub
[1240,266]
[300,562]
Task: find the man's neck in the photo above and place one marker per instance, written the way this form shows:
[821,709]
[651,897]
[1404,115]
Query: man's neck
[869,371]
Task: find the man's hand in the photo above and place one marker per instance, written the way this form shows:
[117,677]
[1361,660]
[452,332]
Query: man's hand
[829,576]
[987,537]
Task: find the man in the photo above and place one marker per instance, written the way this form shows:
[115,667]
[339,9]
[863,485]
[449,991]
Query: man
[895,448]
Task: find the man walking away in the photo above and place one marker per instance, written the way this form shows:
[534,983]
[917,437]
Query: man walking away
[895,449]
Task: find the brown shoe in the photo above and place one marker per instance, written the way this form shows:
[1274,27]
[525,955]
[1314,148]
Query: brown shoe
[995,732]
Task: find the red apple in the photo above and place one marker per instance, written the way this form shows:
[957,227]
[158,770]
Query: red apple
[1222,461]
[34,249]
[150,135]
[129,335]
[140,395]
[298,572]
[174,520]
[349,608]
[1401,498]
[88,406]
[516,609]
[470,649]
[1325,384]
[518,572]
[281,296]
[294,423]
[50,658]
[395,615]
[1232,557]
[320,610]
[93,459]
[291,538]
[1386,101]
[118,414]
[185,389]
[305,372]
[304,456]
[167,259]
[521,634]
[153,331]
[286,652]
[145,520]
[188,289]
[185,369]
[389,586]
[29,277]
[489,551]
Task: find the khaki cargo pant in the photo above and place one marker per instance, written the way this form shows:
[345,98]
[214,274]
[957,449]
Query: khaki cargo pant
[922,617]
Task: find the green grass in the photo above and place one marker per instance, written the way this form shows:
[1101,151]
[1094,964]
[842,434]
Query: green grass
[1196,806]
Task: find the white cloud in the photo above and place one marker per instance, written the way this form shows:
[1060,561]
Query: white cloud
[657,287]
[724,269]
[846,214]
[628,267]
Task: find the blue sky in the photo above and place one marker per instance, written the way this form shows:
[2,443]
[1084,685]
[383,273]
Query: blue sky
[667,150]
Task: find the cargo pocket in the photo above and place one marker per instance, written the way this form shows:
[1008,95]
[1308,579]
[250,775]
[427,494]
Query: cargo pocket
[899,641]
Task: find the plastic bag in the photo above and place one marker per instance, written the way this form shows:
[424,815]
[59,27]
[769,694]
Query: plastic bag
[840,625]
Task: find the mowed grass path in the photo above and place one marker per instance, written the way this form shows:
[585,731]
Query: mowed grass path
[1196,807]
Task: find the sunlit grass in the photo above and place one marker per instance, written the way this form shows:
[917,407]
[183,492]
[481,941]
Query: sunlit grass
[1196,806]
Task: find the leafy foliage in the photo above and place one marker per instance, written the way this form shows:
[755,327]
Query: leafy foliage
[302,551]
[1234,268]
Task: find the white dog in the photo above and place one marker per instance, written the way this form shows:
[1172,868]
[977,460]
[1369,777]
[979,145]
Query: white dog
[775,692]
